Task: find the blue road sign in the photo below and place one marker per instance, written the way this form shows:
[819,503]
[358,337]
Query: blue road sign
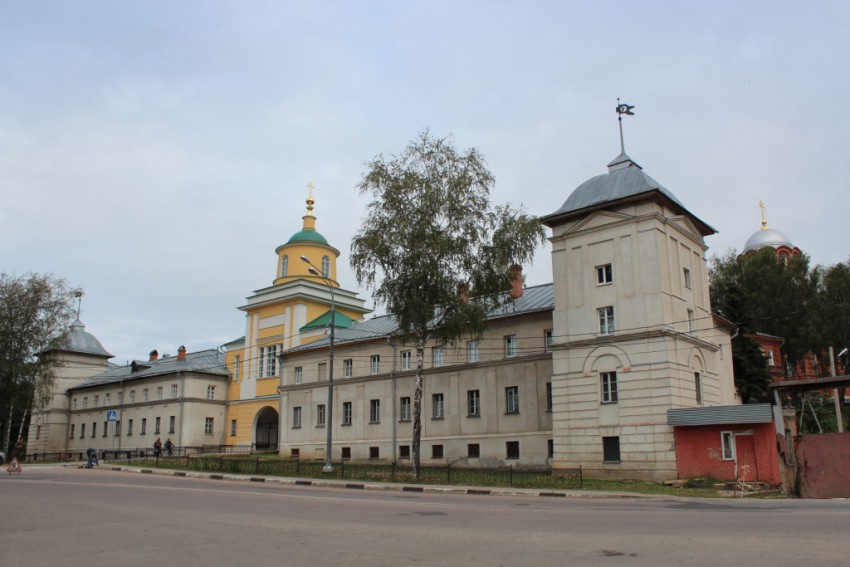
[112,415]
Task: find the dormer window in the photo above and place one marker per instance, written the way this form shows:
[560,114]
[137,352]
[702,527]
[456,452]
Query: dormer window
[326,266]
[284,266]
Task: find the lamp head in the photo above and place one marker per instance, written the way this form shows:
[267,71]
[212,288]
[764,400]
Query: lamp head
[304,259]
[313,271]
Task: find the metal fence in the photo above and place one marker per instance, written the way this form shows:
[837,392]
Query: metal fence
[130,453]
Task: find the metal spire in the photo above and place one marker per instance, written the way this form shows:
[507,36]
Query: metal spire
[78,293]
[623,108]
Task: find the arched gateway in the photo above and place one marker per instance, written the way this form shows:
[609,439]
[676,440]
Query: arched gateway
[266,431]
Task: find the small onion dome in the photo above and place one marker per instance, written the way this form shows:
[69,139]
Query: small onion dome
[767,237]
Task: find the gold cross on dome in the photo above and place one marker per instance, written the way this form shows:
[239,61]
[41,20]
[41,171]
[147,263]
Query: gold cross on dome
[763,217]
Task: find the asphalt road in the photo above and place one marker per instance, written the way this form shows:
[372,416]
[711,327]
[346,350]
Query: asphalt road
[69,516]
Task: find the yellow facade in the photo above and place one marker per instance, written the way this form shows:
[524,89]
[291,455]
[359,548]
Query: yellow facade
[275,318]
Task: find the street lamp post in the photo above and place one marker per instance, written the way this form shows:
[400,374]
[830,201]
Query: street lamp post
[330,409]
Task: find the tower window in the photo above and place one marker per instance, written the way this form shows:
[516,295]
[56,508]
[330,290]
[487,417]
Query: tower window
[326,266]
[284,266]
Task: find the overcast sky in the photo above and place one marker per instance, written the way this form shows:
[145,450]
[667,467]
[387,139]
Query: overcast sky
[156,153]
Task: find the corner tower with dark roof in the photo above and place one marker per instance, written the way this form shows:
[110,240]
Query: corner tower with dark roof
[633,331]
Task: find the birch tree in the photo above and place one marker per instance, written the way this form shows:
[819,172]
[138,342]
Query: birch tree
[434,250]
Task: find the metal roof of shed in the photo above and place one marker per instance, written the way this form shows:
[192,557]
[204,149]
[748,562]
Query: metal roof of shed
[720,415]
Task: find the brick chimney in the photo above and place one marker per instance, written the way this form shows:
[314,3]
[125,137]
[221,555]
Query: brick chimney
[516,281]
[463,292]
[154,355]
[181,353]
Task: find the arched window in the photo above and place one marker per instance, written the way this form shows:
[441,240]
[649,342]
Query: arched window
[326,266]
[284,266]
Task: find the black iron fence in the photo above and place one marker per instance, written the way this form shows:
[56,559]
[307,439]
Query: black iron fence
[130,453]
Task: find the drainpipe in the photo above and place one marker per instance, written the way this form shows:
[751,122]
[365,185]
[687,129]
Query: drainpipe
[180,406]
[395,424]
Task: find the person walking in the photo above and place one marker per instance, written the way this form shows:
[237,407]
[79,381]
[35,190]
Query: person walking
[157,448]
[169,447]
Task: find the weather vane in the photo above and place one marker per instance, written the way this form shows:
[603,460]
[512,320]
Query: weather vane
[78,293]
[623,108]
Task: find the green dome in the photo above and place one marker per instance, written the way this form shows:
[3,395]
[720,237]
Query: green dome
[307,236]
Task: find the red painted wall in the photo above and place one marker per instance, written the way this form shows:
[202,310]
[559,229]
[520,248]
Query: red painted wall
[823,465]
[698,452]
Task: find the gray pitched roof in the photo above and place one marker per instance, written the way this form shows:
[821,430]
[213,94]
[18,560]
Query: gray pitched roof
[203,362]
[536,298]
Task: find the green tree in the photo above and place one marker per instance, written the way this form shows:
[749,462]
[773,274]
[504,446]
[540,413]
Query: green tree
[431,239]
[34,312]
[750,368]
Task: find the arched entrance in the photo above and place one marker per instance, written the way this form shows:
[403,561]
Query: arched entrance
[265,438]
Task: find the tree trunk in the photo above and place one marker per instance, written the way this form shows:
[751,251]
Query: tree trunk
[417,408]
[8,431]
[23,421]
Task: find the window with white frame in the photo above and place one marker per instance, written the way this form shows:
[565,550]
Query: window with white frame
[268,361]
[692,322]
[145,395]
[284,266]
[473,403]
[326,266]
[438,406]
[404,414]
[237,361]
[727,445]
[698,387]
[85,402]
[512,399]
[510,345]
[95,402]
[74,403]
[106,401]
[320,415]
[132,396]
[687,274]
[210,392]
[299,374]
[608,382]
[374,411]
[405,360]
[548,339]
[604,274]
[347,368]
[768,354]
[437,355]
[159,392]
[120,398]
[473,353]
[376,363]
[209,425]
[296,417]
[606,320]
[174,390]
[346,413]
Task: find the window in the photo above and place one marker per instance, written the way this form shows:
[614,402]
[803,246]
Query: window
[374,411]
[698,387]
[473,353]
[604,274]
[405,360]
[233,428]
[156,425]
[105,427]
[85,402]
[609,387]
[548,340]
[346,413]
[512,399]
[71,436]
[437,354]
[374,453]
[473,403]
[347,368]
[692,324]
[436,451]
[118,428]
[550,443]
[120,397]
[209,424]
[295,453]
[296,417]
[159,392]
[83,430]
[93,429]
[129,427]
[94,403]
[267,364]
[326,266]
[611,449]
[438,407]
[606,320]
[106,401]
[549,396]
[512,449]
[284,265]
[174,390]
[405,409]
[376,364]
[510,345]
[145,395]
[299,374]
[687,278]
[320,415]
[769,356]
[132,396]
[210,392]
[74,403]
[346,453]
[236,363]
[404,451]
[322,371]
[144,429]
[473,450]
[171,424]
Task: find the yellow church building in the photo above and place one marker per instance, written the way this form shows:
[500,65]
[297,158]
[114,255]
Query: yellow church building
[293,311]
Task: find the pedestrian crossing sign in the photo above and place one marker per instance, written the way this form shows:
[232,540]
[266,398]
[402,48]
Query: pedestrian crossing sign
[112,415]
